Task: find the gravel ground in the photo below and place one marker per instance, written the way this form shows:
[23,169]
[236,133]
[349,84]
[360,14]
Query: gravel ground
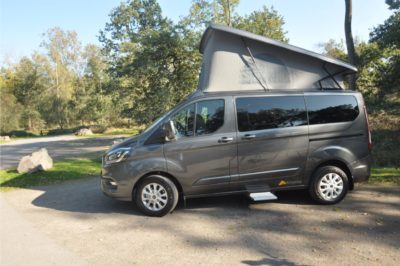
[58,146]
[80,225]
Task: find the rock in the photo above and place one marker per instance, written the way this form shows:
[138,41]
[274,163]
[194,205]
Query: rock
[84,132]
[118,141]
[39,161]
[5,138]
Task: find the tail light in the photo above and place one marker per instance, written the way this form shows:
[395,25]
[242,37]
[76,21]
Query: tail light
[369,129]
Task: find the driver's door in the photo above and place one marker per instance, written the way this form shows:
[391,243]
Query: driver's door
[203,155]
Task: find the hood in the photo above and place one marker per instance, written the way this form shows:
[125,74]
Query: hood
[128,142]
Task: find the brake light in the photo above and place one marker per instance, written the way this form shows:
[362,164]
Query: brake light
[369,130]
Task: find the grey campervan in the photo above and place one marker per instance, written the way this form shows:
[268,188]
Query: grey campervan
[267,116]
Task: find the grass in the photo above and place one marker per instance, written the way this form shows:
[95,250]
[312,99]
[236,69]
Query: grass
[68,169]
[71,169]
[385,175]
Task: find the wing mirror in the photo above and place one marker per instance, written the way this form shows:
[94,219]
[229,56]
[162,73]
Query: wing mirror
[169,130]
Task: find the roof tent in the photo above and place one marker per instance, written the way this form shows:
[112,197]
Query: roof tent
[238,60]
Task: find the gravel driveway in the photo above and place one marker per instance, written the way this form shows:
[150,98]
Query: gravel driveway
[84,226]
[58,147]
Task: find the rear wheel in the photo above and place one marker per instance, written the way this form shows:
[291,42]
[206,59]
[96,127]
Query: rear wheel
[156,195]
[329,185]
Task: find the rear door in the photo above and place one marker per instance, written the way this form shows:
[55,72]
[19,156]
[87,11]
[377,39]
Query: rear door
[272,139]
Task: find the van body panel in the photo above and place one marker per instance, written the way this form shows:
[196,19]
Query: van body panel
[143,160]
[203,165]
[272,154]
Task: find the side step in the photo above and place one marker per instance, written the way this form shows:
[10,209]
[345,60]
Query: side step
[261,196]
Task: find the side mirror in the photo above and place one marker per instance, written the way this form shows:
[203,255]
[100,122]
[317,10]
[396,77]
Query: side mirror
[169,130]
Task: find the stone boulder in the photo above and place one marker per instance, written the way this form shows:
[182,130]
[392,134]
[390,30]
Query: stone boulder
[116,141]
[38,161]
[84,132]
[5,138]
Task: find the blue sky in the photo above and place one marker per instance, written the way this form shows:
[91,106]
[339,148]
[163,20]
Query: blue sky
[308,22]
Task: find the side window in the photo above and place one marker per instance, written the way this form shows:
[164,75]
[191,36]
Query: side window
[258,113]
[204,117]
[209,116]
[184,121]
[323,109]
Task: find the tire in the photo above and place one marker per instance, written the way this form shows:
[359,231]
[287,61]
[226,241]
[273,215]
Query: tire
[156,195]
[329,185]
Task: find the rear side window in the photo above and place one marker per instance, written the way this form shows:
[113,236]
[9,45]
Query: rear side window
[258,113]
[323,109]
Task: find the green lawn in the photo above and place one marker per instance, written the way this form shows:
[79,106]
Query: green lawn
[385,175]
[70,169]
[63,170]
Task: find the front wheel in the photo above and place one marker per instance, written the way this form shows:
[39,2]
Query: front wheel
[329,185]
[156,195]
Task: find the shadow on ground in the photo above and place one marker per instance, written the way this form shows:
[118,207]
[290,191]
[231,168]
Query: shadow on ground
[272,229]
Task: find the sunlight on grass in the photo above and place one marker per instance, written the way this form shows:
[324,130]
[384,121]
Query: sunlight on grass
[387,175]
[68,169]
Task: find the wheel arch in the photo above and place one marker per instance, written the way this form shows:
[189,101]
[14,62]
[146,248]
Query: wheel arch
[340,164]
[162,173]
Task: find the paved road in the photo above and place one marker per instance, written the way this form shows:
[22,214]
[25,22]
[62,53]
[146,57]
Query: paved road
[58,147]
[83,226]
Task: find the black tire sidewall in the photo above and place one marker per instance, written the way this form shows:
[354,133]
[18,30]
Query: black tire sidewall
[171,195]
[322,171]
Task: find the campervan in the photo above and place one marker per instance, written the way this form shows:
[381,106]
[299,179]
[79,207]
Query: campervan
[267,116]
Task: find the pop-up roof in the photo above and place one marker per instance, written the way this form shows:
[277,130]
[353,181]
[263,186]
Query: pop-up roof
[238,60]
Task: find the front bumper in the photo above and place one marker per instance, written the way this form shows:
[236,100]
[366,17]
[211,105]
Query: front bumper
[361,169]
[120,189]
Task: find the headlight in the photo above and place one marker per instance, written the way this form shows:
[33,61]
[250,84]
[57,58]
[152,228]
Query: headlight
[117,155]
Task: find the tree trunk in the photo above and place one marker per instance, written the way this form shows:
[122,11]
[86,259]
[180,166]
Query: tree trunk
[229,14]
[349,41]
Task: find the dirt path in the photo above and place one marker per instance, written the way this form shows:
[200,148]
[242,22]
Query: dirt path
[58,147]
[363,229]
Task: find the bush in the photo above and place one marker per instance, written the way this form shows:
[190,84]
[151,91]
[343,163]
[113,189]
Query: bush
[21,133]
[60,131]
[98,129]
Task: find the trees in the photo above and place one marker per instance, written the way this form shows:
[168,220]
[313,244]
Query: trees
[10,110]
[266,22]
[63,53]
[154,63]
[378,61]
[387,37]
[151,62]
[349,40]
[145,66]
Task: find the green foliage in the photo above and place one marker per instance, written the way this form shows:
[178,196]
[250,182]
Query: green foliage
[64,170]
[393,4]
[385,175]
[10,112]
[266,22]
[151,62]
[147,64]
[334,49]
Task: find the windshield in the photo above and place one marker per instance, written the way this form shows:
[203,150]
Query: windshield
[165,115]
[157,122]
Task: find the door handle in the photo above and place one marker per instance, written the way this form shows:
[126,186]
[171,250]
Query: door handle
[249,136]
[225,139]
